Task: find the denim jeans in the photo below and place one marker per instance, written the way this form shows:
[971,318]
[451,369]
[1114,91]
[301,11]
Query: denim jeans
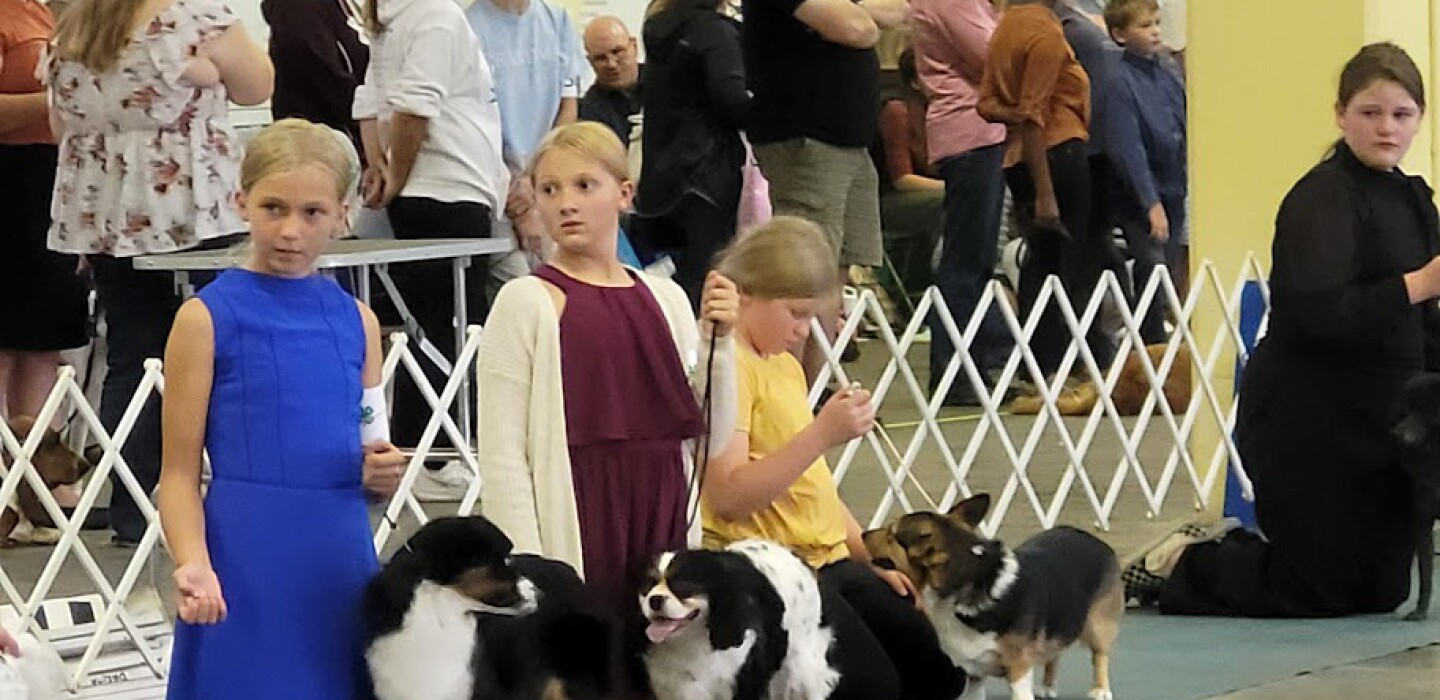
[974,199]
[1149,253]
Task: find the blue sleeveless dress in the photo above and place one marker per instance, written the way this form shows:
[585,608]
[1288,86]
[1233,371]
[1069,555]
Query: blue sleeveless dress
[285,516]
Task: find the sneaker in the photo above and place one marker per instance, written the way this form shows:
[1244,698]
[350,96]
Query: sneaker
[1145,576]
[443,485]
[119,542]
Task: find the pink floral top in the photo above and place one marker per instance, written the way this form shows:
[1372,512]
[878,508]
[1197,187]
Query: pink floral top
[147,163]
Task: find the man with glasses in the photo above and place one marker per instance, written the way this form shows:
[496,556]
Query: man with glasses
[615,96]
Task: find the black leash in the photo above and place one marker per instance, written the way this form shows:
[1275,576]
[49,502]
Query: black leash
[701,458]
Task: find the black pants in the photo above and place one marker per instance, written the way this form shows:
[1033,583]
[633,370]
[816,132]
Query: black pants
[429,291]
[1330,495]
[692,233]
[139,309]
[1077,256]
[884,646]
[1148,254]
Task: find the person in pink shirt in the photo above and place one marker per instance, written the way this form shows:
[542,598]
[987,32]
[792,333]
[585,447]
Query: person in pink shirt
[951,39]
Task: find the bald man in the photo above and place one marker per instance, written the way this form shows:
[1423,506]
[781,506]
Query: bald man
[613,53]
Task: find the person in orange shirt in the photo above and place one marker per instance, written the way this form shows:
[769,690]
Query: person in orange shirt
[1035,86]
[32,334]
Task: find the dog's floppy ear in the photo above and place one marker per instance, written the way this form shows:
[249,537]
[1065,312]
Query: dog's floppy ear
[881,545]
[742,600]
[971,511]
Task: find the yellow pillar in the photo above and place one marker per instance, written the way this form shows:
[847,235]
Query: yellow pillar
[1262,84]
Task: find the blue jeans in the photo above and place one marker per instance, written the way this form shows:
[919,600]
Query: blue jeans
[974,199]
[1148,253]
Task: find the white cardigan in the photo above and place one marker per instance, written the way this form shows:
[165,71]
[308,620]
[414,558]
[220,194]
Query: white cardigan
[524,455]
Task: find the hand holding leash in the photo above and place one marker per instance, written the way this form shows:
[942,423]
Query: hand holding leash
[383,469]
[200,600]
[847,415]
[720,303]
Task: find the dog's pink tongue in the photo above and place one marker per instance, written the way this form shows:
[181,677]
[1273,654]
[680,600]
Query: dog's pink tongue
[660,630]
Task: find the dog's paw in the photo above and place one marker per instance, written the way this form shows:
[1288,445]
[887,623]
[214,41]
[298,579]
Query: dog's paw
[1100,694]
[1418,615]
[1047,692]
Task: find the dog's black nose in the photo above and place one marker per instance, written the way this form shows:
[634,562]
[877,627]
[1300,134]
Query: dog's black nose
[657,602]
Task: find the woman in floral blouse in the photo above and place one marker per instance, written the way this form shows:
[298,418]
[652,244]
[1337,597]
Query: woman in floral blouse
[148,164]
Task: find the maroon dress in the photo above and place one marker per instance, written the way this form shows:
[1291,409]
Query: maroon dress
[628,407]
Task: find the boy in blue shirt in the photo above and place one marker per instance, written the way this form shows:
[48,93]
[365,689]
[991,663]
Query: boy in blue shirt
[1144,137]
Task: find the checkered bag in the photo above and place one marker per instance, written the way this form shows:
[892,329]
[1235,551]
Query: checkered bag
[1143,583]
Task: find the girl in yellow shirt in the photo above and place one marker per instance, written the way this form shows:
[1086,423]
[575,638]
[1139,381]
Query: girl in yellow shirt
[772,481]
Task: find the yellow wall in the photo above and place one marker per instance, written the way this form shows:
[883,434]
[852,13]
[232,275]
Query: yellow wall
[1409,24]
[1262,82]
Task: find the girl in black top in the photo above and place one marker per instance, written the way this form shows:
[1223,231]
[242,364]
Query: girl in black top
[695,106]
[1354,277]
[320,56]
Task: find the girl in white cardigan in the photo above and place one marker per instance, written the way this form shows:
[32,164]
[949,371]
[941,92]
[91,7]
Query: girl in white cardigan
[591,380]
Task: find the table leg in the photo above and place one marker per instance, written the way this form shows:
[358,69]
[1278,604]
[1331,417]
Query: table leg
[462,317]
[362,286]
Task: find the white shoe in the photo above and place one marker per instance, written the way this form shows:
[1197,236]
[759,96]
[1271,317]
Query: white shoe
[446,484]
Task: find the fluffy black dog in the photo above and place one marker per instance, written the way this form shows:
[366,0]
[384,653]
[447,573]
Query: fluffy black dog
[565,649]
[453,616]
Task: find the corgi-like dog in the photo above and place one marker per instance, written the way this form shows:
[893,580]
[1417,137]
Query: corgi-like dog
[24,520]
[1003,612]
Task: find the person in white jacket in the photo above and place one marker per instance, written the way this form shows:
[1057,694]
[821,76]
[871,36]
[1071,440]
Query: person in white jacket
[431,132]
[593,383]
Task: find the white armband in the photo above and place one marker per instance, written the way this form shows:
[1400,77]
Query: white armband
[374,416]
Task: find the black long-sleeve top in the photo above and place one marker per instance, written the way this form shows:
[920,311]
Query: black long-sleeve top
[696,104]
[319,59]
[1345,236]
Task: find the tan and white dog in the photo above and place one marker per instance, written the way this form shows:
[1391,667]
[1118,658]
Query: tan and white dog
[24,520]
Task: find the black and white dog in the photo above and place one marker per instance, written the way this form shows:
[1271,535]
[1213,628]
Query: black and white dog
[37,674]
[740,624]
[453,616]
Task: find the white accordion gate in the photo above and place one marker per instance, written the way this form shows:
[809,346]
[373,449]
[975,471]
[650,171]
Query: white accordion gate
[117,650]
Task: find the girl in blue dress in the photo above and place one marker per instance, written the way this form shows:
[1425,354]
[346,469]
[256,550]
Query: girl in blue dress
[267,369]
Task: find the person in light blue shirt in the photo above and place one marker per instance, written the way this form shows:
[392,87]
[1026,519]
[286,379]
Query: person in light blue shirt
[534,53]
[537,64]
